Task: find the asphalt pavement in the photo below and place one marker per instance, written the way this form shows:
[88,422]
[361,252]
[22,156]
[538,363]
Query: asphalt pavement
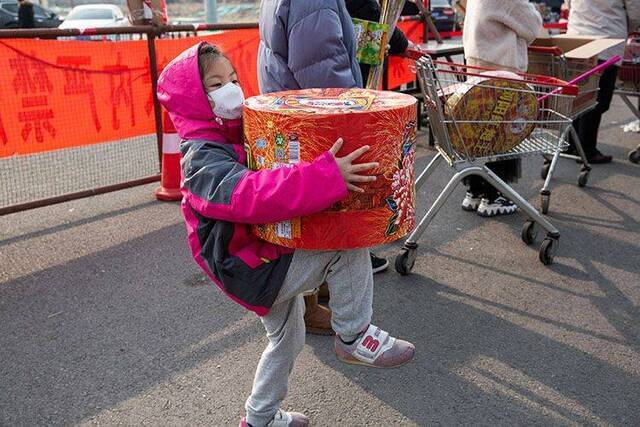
[106,320]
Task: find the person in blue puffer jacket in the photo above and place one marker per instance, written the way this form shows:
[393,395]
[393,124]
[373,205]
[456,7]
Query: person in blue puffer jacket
[306,44]
[311,44]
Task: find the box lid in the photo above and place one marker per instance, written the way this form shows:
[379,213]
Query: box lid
[593,48]
[578,47]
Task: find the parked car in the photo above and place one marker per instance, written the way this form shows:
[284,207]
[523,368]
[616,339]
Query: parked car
[443,15]
[44,18]
[95,16]
[549,9]
[554,5]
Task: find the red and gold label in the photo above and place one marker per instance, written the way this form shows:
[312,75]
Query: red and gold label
[491,115]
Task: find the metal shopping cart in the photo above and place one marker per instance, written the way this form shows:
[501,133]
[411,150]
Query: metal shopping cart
[630,82]
[554,102]
[550,61]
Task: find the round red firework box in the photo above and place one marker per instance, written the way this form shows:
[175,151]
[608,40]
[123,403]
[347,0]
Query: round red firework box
[285,128]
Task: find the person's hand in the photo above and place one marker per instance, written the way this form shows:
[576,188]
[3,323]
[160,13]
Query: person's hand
[414,51]
[348,170]
[413,46]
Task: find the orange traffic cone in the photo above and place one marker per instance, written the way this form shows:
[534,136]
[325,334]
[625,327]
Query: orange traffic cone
[169,189]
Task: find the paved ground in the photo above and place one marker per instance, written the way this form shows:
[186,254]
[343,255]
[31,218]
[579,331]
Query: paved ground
[104,318]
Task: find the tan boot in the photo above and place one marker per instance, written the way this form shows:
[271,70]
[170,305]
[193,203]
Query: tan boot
[317,318]
[323,294]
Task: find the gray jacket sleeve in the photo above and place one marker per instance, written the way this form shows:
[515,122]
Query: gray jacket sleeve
[318,57]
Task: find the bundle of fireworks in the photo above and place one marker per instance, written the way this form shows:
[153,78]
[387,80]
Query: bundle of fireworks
[287,128]
[490,114]
[372,40]
[390,13]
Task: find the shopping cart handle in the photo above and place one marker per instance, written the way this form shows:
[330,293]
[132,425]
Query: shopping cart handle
[414,54]
[551,50]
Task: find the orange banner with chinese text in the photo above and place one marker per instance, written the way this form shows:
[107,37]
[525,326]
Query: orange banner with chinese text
[57,94]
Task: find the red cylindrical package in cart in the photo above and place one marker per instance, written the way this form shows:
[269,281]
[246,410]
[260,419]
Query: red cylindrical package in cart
[285,128]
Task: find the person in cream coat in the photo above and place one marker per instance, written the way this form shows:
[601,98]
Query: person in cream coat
[496,35]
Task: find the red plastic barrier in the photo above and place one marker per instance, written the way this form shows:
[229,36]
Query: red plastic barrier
[57,94]
[399,69]
[556,26]
[450,34]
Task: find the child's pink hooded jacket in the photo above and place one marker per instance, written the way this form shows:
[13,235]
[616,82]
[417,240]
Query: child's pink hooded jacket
[221,197]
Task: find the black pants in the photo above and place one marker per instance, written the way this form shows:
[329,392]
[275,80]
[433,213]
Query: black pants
[508,170]
[588,124]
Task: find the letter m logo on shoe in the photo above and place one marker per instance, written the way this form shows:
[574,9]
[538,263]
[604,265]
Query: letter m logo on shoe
[370,343]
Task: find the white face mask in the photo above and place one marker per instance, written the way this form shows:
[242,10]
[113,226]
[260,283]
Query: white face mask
[227,101]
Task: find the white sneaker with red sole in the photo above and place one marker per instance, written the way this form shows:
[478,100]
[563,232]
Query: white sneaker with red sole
[375,348]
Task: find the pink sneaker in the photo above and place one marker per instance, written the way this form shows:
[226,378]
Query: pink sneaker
[375,348]
[284,419]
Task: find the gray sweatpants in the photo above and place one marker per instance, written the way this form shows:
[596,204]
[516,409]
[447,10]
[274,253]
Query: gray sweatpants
[350,280]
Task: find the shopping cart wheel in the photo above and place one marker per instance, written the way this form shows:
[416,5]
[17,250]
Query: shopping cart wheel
[545,200]
[583,178]
[548,249]
[634,156]
[406,260]
[529,232]
[545,169]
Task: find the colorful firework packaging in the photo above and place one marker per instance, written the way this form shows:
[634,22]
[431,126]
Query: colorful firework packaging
[493,113]
[372,41]
[286,128]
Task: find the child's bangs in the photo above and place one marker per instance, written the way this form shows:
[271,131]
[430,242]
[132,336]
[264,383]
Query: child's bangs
[207,55]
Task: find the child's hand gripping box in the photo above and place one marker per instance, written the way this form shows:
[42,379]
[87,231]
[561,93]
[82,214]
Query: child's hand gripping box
[285,129]
[574,56]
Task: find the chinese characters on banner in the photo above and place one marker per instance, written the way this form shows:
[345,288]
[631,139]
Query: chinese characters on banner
[77,82]
[33,87]
[62,94]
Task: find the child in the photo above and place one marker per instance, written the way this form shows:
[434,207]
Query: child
[200,89]
[496,35]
